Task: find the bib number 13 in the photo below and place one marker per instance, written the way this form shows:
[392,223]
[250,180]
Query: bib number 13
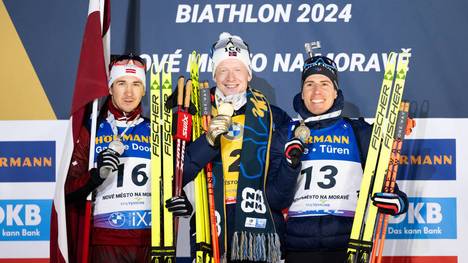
[328,171]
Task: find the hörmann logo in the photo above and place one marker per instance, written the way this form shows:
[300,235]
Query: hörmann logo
[428,159]
[328,138]
[27,161]
[126,137]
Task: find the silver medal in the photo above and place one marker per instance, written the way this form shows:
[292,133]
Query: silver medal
[302,132]
[117,146]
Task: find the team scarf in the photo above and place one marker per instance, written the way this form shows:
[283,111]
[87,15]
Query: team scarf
[254,234]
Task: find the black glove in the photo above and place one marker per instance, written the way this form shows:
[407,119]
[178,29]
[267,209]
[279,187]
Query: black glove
[107,161]
[179,206]
[388,203]
[293,151]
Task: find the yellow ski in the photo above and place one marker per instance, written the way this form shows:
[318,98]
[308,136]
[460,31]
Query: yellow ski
[162,170]
[202,220]
[378,157]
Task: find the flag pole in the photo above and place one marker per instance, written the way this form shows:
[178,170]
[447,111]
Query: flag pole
[92,141]
[88,209]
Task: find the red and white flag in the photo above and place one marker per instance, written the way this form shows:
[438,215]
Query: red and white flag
[90,85]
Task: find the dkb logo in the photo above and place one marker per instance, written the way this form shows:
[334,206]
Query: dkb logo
[20,215]
[427,218]
[24,220]
[252,200]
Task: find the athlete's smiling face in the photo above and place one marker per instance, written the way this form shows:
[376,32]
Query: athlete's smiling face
[232,77]
[318,93]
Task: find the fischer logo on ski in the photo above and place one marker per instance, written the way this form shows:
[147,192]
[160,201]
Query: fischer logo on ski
[378,157]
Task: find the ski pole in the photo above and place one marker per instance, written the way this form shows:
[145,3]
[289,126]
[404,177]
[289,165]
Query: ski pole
[183,134]
[177,135]
[404,126]
[205,99]
[183,131]
[379,237]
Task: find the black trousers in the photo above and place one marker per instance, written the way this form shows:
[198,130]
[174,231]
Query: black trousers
[338,256]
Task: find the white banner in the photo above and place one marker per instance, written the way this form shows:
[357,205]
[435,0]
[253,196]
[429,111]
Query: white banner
[431,173]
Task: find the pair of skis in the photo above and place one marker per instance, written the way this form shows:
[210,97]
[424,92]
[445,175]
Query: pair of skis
[164,226]
[388,124]
[164,182]
[162,171]
[403,128]
[202,223]
[207,249]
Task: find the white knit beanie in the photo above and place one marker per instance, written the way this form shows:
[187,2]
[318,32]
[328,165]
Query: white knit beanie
[129,69]
[231,50]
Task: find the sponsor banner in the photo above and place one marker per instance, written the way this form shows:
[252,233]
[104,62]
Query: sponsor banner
[427,218]
[25,191]
[24,220]
[27,161]
[428,159]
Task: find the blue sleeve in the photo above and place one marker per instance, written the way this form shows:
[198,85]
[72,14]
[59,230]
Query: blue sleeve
[197,155]
[281,178]
[363,132]
[280,117]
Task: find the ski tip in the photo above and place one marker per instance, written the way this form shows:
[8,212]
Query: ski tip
[404,57]
[154,70]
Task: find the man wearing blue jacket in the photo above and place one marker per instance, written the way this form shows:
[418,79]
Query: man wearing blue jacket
[327,162]
[237,143]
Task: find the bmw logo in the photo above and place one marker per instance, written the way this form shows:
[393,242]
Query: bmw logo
[117,219]
[235,131]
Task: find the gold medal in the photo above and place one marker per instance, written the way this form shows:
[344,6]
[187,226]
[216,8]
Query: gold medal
[226,108]
[302,132]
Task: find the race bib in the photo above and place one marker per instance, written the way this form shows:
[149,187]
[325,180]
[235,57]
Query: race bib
[327,187]
[123,201]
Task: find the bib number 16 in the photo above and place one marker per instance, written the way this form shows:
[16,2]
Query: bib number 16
[138,175]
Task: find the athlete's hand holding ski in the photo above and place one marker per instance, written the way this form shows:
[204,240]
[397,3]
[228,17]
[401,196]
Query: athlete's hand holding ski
[179,206]
[107,161]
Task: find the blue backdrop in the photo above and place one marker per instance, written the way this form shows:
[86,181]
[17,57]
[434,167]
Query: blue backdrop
[358,34]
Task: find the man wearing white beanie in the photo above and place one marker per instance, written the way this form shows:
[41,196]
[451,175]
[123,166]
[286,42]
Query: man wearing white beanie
[122,149]
[230,46]
[237,143]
